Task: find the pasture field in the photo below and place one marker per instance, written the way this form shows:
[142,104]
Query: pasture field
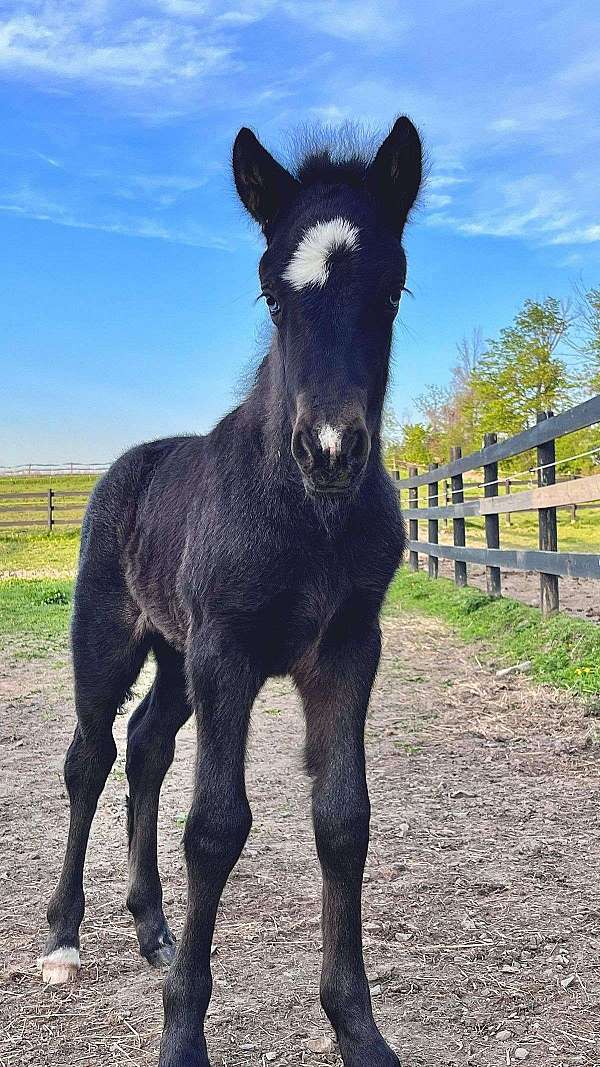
[39,483]
[563,651]
[27,554]
[27,511]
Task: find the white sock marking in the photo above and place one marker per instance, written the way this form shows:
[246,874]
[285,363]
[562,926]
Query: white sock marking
[60,966]
[67,957]
[309,263]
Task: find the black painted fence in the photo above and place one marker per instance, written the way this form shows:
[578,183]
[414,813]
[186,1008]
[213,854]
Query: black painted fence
[47,508]
[546,560]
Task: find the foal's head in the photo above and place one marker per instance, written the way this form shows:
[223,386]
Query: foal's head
[332,276]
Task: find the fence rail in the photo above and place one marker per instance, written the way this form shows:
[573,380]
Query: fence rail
[74,500]
[549,495]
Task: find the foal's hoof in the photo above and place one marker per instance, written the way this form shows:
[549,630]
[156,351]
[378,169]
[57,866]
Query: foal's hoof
[157,943]
[162,952]
[60,966]
[162,956]
[376,1053]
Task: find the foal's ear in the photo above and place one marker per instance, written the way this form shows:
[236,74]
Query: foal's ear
[263,185]
[394,176]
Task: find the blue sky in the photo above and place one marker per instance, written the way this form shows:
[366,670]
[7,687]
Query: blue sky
[128,267]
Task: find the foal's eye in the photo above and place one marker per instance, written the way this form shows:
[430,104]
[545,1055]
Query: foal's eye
[272,303]
[394,300]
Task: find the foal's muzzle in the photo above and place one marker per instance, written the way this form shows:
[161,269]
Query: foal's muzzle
[331,458]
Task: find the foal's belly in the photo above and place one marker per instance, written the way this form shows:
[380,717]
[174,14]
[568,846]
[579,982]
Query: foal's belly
[276,612]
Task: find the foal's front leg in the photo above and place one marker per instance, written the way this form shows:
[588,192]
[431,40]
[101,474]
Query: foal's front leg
[223,684]
[335,689]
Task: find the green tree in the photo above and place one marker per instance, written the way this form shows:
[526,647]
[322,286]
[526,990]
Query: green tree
[587,338]
[436,405]
[391,438]
[415,444]
[464,430]
[522,371]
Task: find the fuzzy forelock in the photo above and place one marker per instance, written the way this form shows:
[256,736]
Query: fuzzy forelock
[327,154]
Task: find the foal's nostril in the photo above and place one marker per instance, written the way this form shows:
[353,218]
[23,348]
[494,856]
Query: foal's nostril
[357,448]
[330,458]
[302,449]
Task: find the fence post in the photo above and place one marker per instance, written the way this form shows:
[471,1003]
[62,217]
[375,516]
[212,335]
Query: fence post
[433,524]
[492,522]
[508,514]
[413,524]
[458,525]
[548,532]
[50,509]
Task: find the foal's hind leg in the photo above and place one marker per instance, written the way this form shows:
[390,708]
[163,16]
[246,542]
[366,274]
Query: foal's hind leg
[107,659]
[150,751]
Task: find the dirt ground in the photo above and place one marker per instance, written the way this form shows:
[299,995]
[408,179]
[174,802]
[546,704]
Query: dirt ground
[482,895]
[578,596]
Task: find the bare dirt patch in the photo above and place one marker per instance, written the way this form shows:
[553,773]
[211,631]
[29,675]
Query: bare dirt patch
[578,596]
[482,909]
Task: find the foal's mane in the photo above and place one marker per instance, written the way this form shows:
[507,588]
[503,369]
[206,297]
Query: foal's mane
[331,155]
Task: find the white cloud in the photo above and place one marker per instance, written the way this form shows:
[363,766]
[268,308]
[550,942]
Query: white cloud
[163,44]
[506,152]
[68,40]
[583,235]
[505,125]
[441,181]
[438,200]
[535,208]
[352,19]
[330,113]
[584,70]
[31,204]
[48,159]
[185,8]
[163,190]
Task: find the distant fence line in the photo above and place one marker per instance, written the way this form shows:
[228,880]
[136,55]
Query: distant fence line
[24,470]
[549,495]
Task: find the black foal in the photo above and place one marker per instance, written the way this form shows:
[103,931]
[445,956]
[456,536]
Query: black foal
[264,548]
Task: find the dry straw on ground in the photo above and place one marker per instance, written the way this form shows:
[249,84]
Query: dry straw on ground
[482,896]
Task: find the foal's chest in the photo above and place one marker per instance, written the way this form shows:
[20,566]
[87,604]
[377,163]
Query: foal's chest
[297,610]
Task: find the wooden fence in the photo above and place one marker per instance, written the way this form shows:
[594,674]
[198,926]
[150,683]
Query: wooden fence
[16,508]
[63,507]
[549,495]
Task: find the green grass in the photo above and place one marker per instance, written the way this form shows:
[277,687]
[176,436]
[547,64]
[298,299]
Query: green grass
[564,651]
[38,555]
[36,609]
[37,483]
